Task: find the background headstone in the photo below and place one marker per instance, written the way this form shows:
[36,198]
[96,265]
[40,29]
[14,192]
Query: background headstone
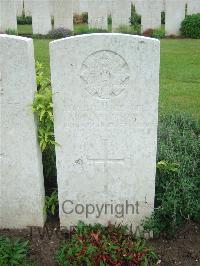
[63,14]
[151,14]
[76,6]
[121,13]
[109,7]
[174,15]
[193,7]
[41,17]
[28,7]
[8,15]
[138,6]
[21,177]
[163,5]
[84,5]
[98,14]
[19,6]
[105,110]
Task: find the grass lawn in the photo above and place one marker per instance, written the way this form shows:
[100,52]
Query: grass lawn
[24,29]
[179,76]
[27,29]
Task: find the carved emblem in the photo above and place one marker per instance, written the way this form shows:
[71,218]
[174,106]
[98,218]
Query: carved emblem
[105,74]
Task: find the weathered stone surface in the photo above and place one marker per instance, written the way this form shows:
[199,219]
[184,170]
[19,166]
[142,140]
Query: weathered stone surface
[98,14]
[109,7]
[151,14]
[193,7]
[174,15]
[63,14]
[41,17]
[28,7]
[76,7]
[21,178]
[8,15]
[19,6]
[121,13]
[139,5]
[105,109]
[84,5]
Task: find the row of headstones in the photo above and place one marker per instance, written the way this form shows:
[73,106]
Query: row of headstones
[105,99]
[98,11]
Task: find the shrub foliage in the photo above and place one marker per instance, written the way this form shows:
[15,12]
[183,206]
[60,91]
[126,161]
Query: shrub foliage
[80,18]
[98,245]
[24,20]
[43,108]
[178,174]
[59,33]
[158,33]
[135,19]
[13,252]
[190,26]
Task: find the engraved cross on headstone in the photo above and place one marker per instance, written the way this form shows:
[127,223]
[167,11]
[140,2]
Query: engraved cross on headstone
[106,160]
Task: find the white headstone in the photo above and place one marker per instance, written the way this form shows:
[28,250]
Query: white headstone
[109,7]
[41,17]
[193,7]
[140,3]
[21,177]
[19,6]
[28,7]
[63,14]
[174,15]
[84,4]
[163,5]
[98,14]
[106,109]
[52,7]
[8,15]
[76,6]
[151,14]
[121,13]
[138,6]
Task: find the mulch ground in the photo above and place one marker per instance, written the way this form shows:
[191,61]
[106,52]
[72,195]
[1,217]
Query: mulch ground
[183,249]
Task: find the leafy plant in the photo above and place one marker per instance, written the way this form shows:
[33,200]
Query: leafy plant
[85,17]
[96,30]
[43,108]
[23,20]
[83,29]
[135,19]
[59,33]
[168,167]
[158,33]
[163,17]
[128,29]
[148,33]
[77,19]
[13,252]
[80,18]
[178,174]
[109,20]
[99,245]
[51,202]
[155,33]
[190,26]
[11,32]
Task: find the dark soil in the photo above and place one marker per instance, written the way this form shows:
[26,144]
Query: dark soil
[183,249]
